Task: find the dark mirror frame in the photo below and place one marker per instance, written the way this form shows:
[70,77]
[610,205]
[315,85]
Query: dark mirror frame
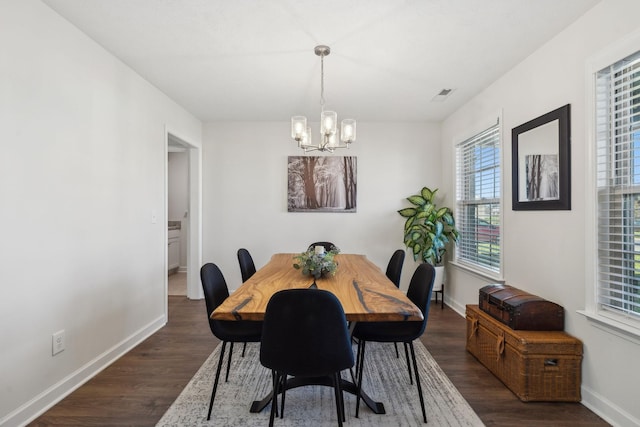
[563,115]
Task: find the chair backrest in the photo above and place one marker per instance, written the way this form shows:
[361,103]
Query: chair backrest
[394,268]
[420,289]
[247,267]
[215,290]
[305,333]
[327,245]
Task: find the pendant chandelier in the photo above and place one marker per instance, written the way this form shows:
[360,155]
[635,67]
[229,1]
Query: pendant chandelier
[330,138]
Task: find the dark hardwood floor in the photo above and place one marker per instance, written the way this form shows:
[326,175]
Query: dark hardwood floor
[138,388]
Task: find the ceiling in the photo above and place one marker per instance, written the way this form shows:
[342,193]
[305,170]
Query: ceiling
[251,60]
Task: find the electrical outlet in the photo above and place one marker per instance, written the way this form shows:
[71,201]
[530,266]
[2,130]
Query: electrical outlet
[58,342]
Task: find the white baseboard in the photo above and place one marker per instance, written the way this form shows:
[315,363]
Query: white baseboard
[606,410]
[54,394]
[456,306]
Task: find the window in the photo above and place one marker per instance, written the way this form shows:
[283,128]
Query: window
[617,97]
[478,200]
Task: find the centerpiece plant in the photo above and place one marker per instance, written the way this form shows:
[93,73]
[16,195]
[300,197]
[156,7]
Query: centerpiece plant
[317,262]
[428,229]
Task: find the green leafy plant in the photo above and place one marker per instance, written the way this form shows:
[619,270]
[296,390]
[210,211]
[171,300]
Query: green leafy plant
[428,229]
[315,264]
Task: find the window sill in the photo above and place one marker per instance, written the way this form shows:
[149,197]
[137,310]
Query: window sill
[612,326]
[482,274]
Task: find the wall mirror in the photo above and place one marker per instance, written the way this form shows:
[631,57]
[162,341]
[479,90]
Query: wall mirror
[541,163]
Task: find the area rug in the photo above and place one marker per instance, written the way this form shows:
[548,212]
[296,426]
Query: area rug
[386,379]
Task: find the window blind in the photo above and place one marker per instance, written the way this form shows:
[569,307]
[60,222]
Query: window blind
[618,186]
[478,199]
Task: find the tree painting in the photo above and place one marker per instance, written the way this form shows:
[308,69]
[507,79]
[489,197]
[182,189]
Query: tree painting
[543,182]
[322,184]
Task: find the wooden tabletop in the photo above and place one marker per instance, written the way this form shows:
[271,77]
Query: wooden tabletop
[363,289]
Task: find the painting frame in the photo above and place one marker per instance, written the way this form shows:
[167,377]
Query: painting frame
[322,184]
[541,162]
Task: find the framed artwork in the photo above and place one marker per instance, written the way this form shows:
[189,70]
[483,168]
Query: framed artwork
[322,183]
[541,162]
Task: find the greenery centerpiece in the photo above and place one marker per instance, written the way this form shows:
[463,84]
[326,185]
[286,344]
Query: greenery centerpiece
[428,228]
[317,262]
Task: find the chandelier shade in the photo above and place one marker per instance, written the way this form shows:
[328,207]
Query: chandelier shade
[330,137]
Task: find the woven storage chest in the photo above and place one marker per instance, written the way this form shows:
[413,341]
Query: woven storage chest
[535,365]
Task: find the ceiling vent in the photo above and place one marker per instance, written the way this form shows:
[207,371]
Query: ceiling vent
[444,94]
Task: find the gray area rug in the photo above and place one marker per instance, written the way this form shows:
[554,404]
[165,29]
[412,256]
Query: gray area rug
[386,379]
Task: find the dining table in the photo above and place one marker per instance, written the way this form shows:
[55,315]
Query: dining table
[363,289]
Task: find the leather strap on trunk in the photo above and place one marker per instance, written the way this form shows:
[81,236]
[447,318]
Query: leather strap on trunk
[500,345]
[474,327]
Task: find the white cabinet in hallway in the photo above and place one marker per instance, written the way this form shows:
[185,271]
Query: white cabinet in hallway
[173,251]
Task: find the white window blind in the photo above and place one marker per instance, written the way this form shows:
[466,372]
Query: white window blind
[478,199]
[618,186]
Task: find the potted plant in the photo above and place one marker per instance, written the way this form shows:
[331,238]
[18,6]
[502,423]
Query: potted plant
[316,262]
[427,231]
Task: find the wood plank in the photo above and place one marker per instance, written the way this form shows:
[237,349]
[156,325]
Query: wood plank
[363,289]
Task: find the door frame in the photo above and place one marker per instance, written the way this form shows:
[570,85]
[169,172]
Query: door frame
[194,245]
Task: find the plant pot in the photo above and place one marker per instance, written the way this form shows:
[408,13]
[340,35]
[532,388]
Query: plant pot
[438,282]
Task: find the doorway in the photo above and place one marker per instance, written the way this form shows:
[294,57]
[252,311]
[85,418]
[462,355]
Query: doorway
[183,212]
[177,217]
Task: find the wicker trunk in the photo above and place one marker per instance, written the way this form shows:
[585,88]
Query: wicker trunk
[535,365]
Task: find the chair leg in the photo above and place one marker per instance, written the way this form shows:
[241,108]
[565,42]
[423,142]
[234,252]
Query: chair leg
[273,378]
[357,356]
[344,413]
[215,382]
[226,378]
[395,344]
[415,369]
[406,353]
[284,394]
[244,348]
[339,402]
[360,373]
[357,381]
[274,399]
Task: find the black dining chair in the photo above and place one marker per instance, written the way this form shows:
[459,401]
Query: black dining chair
[394,268]
[327,246]
[419,293]
[228,331]
[247,267]
[394,271]
[305,334]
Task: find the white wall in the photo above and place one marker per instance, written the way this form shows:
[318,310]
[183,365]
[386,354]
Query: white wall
[245,192]
[544,252]
[81,171]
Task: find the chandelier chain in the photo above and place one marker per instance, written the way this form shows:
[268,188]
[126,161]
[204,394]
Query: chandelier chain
[322,82]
